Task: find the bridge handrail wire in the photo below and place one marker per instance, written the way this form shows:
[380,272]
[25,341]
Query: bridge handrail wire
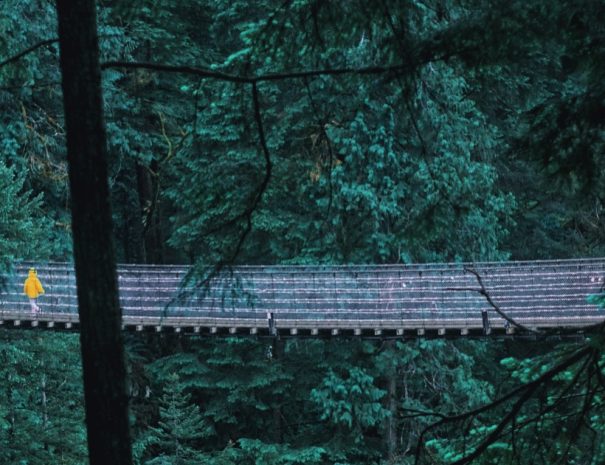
[419,296]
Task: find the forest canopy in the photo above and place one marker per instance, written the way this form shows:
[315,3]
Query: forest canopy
[398,124]
[316,132]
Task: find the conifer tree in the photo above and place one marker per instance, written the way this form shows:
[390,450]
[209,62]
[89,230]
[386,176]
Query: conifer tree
[179,428]
[24,230]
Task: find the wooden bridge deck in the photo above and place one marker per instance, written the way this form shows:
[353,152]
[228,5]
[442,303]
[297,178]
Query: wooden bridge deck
[399,300]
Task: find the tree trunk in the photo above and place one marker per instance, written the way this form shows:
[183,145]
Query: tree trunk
[106,403]
[278,426]
[392,419]
[390,434]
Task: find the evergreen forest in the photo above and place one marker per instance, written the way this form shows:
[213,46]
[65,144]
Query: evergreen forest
[305,132]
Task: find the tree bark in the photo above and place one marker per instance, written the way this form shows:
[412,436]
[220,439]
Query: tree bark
[106,403]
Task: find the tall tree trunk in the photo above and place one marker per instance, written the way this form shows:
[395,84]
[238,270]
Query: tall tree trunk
[392,419]
[44,408]
[104,371]
[278,425]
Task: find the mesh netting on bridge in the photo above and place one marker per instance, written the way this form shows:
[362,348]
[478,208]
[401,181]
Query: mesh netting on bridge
[539,294]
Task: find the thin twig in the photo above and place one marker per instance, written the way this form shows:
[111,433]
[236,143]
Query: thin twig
[27,51]
[521,390]
[36,46]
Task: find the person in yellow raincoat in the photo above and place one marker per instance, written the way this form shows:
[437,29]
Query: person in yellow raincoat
[32,287]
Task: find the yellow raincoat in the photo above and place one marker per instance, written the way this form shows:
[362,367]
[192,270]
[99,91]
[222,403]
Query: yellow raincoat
[32,286]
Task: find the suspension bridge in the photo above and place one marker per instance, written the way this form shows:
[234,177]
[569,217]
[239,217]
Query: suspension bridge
[450,299]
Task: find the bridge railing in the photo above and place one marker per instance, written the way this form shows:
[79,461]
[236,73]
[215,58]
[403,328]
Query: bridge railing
[393,297]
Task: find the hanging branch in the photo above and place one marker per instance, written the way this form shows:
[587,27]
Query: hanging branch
[483,291]
[247,214]
[525,392]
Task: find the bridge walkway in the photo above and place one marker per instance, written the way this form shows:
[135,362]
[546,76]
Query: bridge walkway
[374,300]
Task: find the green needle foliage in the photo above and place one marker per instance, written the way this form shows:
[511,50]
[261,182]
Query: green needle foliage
[474,131]
[25,232]
[180,425]
[41,400]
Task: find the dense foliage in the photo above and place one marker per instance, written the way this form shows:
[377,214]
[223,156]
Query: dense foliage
[425,130]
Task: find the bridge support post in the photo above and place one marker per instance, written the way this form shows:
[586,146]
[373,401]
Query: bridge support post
[271,323]
[485,319]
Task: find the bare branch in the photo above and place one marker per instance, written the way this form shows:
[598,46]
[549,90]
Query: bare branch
[247,214]
[483,292]
[27,51]
[531,388]
[524,391]
[35,47]
[206,73]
